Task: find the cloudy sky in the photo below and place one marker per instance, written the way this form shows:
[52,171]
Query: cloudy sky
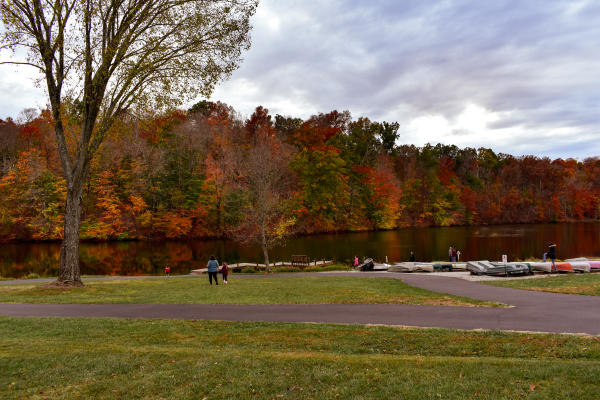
[521,77]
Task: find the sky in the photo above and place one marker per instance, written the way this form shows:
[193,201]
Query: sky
[520,77]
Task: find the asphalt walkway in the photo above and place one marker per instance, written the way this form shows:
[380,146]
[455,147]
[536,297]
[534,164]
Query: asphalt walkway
[530,311]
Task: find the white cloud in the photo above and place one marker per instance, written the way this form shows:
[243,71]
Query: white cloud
[519,77]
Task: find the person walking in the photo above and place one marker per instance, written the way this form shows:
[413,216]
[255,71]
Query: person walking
[551,254]
[355,261]
[411,257]
[450,254]
[213,268]
[225,272]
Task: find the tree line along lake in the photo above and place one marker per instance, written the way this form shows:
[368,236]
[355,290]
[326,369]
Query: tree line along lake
[149,257]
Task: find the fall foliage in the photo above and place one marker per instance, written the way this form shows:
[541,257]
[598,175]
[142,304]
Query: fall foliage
[201,173]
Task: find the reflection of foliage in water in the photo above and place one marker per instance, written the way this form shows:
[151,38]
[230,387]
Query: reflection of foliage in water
[150,258]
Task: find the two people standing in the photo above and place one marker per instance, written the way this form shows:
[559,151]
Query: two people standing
[453,254]
[213,269]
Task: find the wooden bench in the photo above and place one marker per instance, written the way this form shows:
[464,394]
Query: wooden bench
[300,261]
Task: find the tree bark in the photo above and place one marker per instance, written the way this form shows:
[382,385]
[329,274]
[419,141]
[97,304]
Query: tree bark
[69,274]
[265,248]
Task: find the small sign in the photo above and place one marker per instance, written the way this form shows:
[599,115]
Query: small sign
[504,258]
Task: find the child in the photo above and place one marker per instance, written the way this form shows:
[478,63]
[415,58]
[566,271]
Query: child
[167,270]
[225,272]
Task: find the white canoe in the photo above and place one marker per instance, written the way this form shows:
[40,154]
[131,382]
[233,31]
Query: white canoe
[411,267]
[380,267]
[580,266]
[540,266]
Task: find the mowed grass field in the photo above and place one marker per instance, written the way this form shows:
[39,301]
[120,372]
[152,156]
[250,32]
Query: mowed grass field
[84,358]
[251,290]
[584,284]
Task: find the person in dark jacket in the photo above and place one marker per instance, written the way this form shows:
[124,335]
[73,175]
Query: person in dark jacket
[551,254]
[213,269]
[411,257]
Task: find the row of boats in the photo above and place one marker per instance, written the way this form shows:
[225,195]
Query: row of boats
[485,267]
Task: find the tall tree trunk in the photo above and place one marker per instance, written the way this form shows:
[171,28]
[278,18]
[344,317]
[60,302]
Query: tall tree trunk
[265,247]
[266,254]
[69,274]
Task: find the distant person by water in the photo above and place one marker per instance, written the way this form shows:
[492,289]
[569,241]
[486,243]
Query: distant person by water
[411,257]
[551,254]
[213,268]
[225,272]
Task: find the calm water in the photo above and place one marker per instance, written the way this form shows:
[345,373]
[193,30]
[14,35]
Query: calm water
[142,258]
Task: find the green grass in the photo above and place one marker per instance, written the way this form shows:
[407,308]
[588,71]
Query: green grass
[257,290]
[152,359]
[585,284]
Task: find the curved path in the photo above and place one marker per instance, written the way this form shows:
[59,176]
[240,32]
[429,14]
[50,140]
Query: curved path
[531,311]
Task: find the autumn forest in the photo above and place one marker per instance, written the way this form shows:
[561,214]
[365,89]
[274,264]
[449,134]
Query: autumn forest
[208,172]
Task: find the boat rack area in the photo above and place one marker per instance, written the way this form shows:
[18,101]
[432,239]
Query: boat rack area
[485,267]
[280,264]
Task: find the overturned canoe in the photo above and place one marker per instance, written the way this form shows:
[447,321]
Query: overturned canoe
[581,266]
[594,263]
[367,265]
[560,266]
[540,266]
[564,267]
[380,267]
[411,267]
[442,266]
[485,267]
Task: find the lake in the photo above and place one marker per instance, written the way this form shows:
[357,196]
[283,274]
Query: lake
[149,258]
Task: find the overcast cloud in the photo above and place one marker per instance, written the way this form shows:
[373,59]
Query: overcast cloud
[521,77]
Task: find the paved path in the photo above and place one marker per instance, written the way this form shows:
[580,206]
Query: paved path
[531,311]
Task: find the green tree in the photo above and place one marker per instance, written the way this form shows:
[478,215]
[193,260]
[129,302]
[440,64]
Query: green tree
[117,55]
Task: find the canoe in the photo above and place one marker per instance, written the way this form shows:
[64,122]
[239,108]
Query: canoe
[540,266]
[380,267]
[485,267]
[442,266]
[459,266]
[411,267]
[367,265]
[564,267]
[594,263]
[580,266]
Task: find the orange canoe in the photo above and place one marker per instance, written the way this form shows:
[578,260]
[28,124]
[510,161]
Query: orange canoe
[564,267]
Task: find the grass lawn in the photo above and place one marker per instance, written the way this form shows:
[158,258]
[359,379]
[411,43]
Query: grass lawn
[586,284]
[84,358]
[251,290]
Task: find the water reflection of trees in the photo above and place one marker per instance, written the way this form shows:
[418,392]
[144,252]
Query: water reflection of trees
[149,258]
